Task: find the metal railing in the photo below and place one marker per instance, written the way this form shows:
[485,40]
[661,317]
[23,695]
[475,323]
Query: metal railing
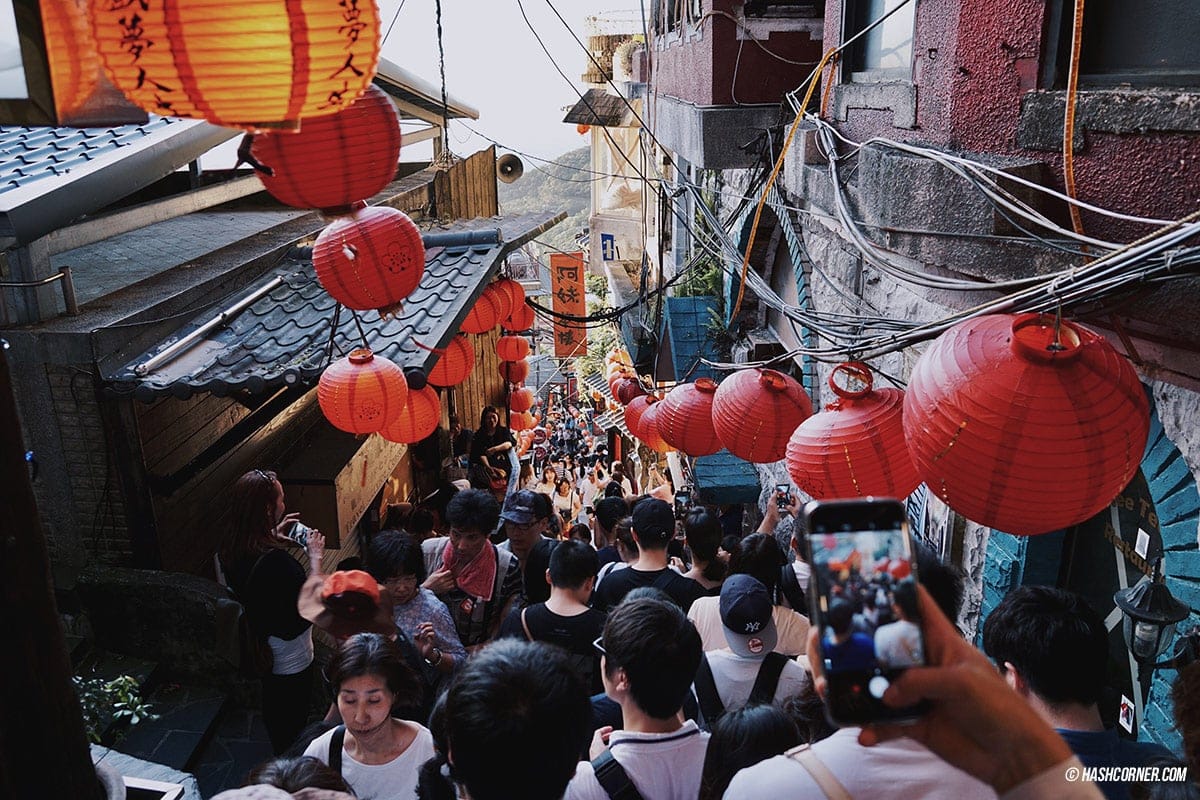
[68,291]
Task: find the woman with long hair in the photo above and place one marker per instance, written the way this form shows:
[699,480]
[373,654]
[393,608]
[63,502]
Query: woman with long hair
[490,448]
[702,532]
[267,580]
[378,754]
[548,482]
[566,501]
[741,739]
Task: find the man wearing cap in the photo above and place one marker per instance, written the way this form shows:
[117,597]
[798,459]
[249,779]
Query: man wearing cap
[653,528]
[748,670]
[524,520]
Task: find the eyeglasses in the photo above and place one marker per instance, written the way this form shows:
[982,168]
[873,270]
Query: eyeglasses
[599,645]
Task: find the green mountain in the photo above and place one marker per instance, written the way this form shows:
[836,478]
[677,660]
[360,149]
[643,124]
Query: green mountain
[562,186]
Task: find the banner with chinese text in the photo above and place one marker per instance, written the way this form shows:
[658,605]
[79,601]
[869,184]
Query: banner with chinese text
[566,282]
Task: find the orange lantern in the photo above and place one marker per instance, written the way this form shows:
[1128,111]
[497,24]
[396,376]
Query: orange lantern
[521,400]
[514,371]
[856,446]
[418,419]
[685,419]
[648,429]
[582,128]
[515,292]
[372,259]
[70,52]
[756,410]
[361,393]
[522,421]
[453,366]
[1024,423]
[512,348]
[335,160]
[485,314]
[521,318]
[256,64]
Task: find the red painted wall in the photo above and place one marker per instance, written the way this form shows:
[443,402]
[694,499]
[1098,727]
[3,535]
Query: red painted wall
[710,70]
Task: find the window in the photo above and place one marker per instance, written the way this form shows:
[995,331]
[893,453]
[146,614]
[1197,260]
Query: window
[884,54]
[1136,42]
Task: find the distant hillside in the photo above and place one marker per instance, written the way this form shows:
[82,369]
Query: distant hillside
[553,188]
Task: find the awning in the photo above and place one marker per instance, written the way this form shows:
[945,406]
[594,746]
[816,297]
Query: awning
[279,332]
[688,319]
[723,478]
[599,107]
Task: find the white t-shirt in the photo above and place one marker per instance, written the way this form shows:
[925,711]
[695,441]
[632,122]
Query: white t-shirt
[395,780]
[792,627]
[901,768]
[735,676]
[663,766]
[898,644]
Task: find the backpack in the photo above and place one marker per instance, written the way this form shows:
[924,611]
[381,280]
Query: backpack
[789,586]
[613,778]
[765,684]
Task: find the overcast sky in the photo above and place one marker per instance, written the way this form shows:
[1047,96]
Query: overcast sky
[494,63]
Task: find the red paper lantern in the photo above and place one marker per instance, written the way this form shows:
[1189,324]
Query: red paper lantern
[514,371]
[71,53]
[685,418]
[627,389]
[514,291]
[648,430]
[418,419]
[756,410]
[522,421]
[512,348]
[485,314]
[259,63]
[1025,425]
[635,409]
[361,393]
[334,160]
[453,367]
[521,399]
[521,318]
[856,447]
[371,259]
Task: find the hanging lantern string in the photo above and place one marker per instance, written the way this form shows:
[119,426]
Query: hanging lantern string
[1057,345]
[337,314]
[362,334]
[445,159]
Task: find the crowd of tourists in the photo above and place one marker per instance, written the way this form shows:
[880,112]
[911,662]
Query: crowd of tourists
[555,628]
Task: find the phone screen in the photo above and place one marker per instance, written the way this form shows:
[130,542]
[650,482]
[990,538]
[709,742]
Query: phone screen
[782,496]
[682,499]
[865,605]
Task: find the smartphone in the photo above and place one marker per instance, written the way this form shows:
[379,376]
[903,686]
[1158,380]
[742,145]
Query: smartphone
[783,496]
[865,605]
[683,499]
[299,533]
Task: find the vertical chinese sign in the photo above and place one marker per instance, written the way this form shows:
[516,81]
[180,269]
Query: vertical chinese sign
[566,281]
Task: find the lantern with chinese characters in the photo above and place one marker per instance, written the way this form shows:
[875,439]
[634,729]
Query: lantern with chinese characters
[756,410]
[521,318]
[335,160]
[856,446]
[648,428]
[1025,424]
[512,348]
[454,365]
[371,259]
[634,410]
[486,313]
[418,419]
[361,393]
[514,371]
[685,418]
[520,399]
[257,64]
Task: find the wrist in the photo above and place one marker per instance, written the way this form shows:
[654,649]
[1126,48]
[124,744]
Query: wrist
[437,657]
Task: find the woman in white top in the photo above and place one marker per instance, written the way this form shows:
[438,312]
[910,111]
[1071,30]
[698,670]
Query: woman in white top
[546,484]
[566,501]
[380,756]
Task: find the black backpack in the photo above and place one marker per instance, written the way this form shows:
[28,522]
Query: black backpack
[765,684]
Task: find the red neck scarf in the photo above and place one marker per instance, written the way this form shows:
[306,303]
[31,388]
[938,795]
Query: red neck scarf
[477,577]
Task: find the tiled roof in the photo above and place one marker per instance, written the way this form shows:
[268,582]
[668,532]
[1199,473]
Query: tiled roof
[598,107]
[282,335]
[687,329]
[724,478]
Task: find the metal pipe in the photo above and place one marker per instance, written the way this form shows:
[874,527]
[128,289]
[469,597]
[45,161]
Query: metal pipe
[68,291]
[176,349]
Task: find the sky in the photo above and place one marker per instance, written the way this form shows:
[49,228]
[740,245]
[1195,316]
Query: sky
[494,63]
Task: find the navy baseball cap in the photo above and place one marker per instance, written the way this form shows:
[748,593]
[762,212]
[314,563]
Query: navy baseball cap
[520,508]
[748,616]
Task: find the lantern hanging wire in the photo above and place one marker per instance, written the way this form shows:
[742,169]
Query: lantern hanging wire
[446,158]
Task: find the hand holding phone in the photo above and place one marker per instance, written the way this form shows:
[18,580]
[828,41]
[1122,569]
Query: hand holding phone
[865,606]
[783,496]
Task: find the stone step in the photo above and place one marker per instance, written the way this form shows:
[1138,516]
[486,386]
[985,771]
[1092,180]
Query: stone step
[187,718]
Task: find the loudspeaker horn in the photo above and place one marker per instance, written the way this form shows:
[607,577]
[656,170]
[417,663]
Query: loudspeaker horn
[509,168]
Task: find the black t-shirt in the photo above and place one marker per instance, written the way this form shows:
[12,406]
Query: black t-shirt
[608,553]
[269,592]
[481,442]
[621,582]
[573,634]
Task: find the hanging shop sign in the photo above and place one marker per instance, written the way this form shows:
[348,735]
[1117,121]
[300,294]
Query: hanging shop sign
[566,277]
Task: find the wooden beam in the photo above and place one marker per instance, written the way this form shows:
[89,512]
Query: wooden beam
[414,111]
[422,135]
[101,228]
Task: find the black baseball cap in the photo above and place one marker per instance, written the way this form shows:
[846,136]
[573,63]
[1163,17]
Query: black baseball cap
[653,520]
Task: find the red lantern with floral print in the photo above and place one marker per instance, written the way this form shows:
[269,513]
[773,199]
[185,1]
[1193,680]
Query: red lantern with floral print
[1026,424]
[756,410]
[514,371]
[685,419]
[512,348]
[418,419]
[521,318]
[856,446]
[648,431]
[361,393]
[371,259]
[454,365]
[520,399]
[486,313]
[334,160]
